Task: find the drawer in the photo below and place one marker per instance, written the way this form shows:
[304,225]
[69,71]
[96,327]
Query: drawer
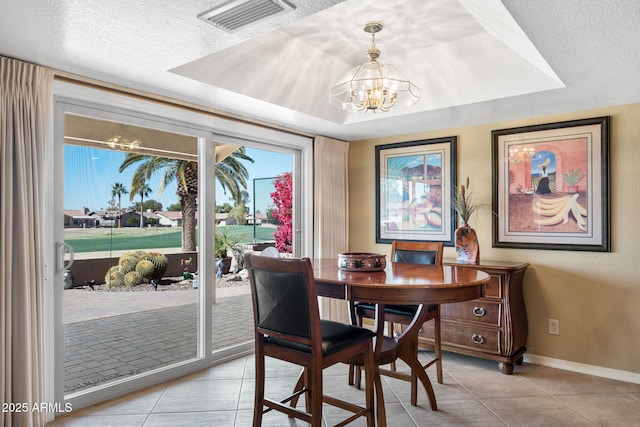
[471,337]
[493,288]
[478,310]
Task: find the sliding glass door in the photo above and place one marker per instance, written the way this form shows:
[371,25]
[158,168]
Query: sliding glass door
[129,306]
[141,299]
[247,220]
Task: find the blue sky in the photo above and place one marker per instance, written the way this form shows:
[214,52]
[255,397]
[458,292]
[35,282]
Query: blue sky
[543,158]
[90,173]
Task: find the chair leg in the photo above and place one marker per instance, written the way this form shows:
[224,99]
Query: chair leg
[352,373]
[258,403]
[381,414]
[437,347]
[372,376]
[355,377]
[315,397]
[356,320]
[310,395]
[391,331]
[355,373]
[299,386]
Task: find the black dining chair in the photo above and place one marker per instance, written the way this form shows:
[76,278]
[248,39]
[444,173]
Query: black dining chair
[288,327]
[415,253]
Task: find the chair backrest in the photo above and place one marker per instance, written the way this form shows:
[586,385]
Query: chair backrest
[417,252]
[285,303]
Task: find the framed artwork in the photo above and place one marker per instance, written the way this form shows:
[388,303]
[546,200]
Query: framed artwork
[551,186]
[414,181]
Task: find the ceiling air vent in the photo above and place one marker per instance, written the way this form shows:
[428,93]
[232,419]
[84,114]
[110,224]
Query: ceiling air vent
[237,14]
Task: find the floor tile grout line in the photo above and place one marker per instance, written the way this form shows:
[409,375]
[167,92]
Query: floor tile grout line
[451,374]
[244,379]
[404,407]
[554,397]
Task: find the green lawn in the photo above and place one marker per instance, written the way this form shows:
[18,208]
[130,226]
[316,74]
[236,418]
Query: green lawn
[117,239]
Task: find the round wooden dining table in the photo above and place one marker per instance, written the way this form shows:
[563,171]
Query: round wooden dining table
[400,283]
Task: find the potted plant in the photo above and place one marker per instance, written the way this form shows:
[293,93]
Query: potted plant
[224,242]
[466,240]
[186,263]
[572,177]
[463,203]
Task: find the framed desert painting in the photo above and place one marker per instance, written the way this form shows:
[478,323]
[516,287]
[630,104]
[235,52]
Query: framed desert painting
[551,186]
[414,181]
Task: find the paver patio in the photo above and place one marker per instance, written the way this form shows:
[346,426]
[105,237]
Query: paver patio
[110,335]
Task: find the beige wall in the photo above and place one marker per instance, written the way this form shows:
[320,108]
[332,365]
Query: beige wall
[596,296]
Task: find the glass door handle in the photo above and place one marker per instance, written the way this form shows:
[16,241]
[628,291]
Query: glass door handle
[60,254]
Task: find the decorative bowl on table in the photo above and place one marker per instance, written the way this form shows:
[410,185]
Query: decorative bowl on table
[361,261]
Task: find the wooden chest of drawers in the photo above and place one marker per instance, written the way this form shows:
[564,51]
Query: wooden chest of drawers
[493,327]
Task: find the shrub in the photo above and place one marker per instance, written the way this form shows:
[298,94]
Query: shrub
[283,212]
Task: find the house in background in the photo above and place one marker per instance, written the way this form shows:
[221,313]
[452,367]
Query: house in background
[257,220]
[105,218]
[79,219]
[131,218]
[221,218]
[169,218]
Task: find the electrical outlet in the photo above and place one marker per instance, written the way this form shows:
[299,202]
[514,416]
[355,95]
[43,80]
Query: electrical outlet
[554,327]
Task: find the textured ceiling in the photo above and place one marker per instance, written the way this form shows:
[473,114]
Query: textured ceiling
[448,50]
[475,61]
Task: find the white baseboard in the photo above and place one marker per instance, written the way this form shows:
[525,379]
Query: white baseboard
[598,371]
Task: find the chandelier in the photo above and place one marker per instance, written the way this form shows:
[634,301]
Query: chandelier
[519,154]
[124,140]
[373,86]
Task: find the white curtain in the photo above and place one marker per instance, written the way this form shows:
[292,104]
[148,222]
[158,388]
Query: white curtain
[25,110]
[331,210]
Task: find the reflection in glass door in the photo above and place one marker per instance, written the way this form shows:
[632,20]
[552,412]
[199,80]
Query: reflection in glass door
[245,222]
[130,216]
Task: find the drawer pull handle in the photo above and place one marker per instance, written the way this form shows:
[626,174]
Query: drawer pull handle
[477,339]
[479,311]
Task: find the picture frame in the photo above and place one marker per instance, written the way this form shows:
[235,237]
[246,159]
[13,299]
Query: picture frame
[551,186]
[414,183]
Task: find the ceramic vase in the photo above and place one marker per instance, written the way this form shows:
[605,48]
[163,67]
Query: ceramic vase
[467,247]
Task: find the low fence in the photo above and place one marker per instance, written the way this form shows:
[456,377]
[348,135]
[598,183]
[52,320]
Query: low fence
[85,270]
[96,268]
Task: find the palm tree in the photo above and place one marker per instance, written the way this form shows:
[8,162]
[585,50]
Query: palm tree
[230,172]
[185,173]
[143,190]
[244,198]
[118,190]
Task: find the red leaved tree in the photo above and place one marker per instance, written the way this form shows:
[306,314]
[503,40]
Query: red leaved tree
[283,212]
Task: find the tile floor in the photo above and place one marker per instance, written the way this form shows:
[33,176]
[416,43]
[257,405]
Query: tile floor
[474,393]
